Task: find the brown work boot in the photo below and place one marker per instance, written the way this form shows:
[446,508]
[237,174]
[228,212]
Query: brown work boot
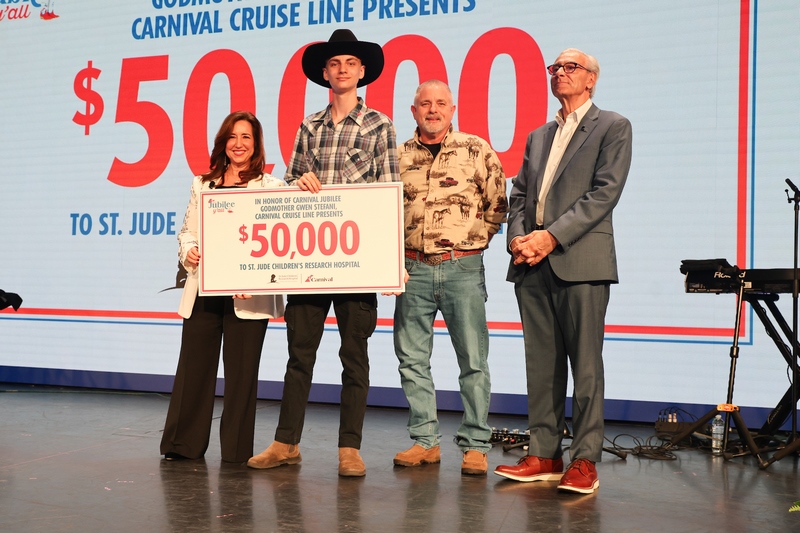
[417,455]
[474,463]
[276,454]
[350,463]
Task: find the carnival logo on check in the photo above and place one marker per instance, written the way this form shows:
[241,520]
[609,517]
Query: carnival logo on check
[312,279]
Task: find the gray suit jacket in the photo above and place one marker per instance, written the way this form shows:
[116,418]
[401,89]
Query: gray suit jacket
[586,187]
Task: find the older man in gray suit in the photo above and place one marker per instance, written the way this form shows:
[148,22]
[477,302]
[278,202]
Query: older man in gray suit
[563,262]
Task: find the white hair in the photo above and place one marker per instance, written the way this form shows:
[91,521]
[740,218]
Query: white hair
[432,83]
[591,65]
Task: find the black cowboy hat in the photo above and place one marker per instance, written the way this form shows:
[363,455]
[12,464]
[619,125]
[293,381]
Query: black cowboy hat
[343,42]
[10,299]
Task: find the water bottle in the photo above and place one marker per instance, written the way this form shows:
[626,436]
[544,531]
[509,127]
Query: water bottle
[717,434]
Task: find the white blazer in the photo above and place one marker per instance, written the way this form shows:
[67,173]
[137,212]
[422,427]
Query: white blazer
[257,307]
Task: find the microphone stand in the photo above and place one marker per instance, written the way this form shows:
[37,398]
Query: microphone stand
[795,289]
[792,443]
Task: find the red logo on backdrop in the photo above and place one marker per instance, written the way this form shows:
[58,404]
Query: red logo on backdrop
[15,13]
[47,12]
[23,11]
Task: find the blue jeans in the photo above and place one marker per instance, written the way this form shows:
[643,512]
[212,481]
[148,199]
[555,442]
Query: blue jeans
[457,288]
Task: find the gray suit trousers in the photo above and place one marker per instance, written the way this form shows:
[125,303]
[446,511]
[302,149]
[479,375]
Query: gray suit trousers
[563,322]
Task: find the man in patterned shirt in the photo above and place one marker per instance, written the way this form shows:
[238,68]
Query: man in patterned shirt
[454,193]
[347,142]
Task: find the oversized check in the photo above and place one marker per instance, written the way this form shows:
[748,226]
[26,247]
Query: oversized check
[346,238]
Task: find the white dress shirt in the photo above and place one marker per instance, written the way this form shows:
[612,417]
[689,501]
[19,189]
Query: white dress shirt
[566,128]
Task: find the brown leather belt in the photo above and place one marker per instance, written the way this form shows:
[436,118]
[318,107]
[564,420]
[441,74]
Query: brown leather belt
[436,259]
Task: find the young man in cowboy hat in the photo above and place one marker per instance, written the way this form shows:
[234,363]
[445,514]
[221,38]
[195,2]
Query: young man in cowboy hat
[347,142]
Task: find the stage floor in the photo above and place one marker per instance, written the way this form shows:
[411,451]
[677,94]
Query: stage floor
[88,461]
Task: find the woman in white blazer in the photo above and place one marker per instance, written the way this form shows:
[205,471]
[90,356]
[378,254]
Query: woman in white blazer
[237,160]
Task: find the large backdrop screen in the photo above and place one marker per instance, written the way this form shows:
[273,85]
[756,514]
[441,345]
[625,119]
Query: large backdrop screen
[107,110]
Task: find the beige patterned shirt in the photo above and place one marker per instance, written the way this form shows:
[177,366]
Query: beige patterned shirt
[454,201]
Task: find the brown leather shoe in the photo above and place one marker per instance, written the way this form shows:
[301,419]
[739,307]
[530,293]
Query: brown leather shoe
[418,455]
[581,476]
[350,463]
[474,463]
[276,454]
[532,468]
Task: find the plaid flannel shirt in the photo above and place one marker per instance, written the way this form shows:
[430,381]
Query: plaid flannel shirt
[362,148]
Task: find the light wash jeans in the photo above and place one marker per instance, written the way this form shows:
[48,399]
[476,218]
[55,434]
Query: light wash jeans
[457,288]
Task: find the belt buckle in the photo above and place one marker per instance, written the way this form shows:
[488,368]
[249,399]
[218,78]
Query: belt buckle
[433,259]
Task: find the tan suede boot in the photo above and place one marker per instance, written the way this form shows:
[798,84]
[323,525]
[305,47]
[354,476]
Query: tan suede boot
[417,455]
[350,463]
[276,454]
[474,463]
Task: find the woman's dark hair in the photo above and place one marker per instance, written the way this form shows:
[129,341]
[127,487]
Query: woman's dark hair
[219,160]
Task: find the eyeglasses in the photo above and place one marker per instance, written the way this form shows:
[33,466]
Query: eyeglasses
[569,68]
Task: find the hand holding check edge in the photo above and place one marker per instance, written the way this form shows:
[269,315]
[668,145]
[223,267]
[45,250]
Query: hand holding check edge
[193,260]
[309,182]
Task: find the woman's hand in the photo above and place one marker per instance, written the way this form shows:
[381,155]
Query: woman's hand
[193,257]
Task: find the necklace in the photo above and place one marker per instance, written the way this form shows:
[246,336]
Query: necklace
[231,178]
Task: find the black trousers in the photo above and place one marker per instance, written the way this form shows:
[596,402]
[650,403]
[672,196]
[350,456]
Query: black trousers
[191,407]
[357,315]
